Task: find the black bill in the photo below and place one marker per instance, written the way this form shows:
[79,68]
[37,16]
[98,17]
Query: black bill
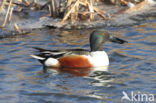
[117,40]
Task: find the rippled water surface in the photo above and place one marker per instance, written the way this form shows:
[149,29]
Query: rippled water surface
[132,67]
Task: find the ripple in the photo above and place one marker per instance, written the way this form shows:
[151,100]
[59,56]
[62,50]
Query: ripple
[132,67]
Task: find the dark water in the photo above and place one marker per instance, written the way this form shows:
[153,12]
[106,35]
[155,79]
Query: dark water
[132,67]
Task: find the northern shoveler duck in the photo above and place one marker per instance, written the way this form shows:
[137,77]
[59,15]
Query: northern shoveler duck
[79,58]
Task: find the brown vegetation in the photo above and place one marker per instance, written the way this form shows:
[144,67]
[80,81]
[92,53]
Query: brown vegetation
[73,10]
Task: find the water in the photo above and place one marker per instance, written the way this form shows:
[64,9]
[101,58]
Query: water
[132,67]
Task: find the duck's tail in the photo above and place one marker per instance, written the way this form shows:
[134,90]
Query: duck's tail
[38,57]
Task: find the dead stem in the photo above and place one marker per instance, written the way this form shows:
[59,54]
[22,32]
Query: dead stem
[69,12]
[11,12]
[27,2]
[2,6]
[53,8]
[99,12]
[73,7]
[6,16]
[91,10]
[17,28]
[49,7]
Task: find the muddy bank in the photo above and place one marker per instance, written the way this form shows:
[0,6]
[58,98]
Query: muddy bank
[30,18]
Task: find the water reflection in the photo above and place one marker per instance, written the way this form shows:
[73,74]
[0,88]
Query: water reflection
[76,71]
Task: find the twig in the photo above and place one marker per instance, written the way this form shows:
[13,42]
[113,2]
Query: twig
[6,17]
[124,2]
[2,5]
[69,12]
[74,13]
[53,8]
[11,11]
[99,12]
[17,28]
[49,7]
[73,10]
[27,2]
[91,10]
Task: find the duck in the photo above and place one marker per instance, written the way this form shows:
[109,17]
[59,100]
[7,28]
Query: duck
[78,59]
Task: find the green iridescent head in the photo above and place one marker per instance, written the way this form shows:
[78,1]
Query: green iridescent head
[98,37]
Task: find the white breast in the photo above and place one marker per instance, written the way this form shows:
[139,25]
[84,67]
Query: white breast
[99,58]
